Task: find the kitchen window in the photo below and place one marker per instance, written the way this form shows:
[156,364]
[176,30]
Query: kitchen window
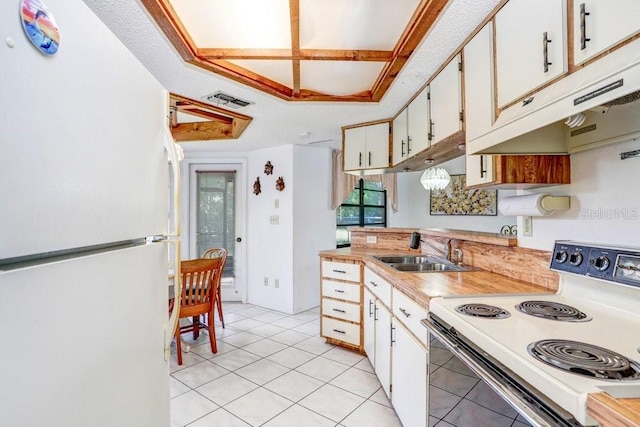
[366,206]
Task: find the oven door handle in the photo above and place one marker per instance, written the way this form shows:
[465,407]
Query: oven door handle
[499,385]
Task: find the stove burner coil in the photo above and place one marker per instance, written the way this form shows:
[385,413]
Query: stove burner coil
[483,310]
[585,359]
[552,310]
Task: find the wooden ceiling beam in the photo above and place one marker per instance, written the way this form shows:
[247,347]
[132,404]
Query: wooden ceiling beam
[201,131]
[221,124]
[198,112]
[421,21]
[303,55]
[294,16]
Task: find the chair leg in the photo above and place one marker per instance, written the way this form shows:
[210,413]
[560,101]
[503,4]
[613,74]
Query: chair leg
[178,345]
[212,331]
[219,304]
[196,327]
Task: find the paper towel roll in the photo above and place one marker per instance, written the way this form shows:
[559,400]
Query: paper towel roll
[533,205]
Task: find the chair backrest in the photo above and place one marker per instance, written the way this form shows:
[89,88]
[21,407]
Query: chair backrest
[199,280]
[217,253]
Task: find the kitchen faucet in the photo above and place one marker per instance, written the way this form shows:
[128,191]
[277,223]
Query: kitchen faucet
[446,251]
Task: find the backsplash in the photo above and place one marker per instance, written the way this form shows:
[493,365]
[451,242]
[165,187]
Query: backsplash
[487,251]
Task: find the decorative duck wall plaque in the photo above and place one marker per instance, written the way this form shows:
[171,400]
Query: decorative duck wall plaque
[268,168]
[256,186]
[280,184]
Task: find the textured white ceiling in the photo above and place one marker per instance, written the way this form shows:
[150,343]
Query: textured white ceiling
[278,122]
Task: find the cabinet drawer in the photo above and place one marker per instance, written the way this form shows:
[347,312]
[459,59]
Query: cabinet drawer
[342,331]
[341,310]
[341,270]
[378,286]
[410,314]
[341,290]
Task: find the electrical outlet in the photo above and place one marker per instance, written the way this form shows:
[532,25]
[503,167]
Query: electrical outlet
[276,283]
[372,239]
[266,281]
[274,220]
[276,203]
[527,226]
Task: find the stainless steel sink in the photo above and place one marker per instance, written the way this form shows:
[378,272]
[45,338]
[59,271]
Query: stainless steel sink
[409,259]
[422,264]
[426,267]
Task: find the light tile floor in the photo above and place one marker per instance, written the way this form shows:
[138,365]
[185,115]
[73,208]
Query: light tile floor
[274,370]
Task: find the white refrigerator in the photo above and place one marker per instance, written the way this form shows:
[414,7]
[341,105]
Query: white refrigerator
[84,184]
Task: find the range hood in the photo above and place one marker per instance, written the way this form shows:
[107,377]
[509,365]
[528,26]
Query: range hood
[600,101]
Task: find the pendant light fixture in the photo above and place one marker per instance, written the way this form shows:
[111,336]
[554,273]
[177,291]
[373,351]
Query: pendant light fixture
[435,179]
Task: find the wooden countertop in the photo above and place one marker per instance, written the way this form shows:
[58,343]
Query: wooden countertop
[421,287]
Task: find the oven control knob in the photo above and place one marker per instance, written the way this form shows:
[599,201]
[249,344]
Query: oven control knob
[601,263]
[561,256]
[575,259]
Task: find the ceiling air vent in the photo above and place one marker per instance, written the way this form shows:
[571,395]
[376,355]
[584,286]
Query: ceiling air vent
[226,100]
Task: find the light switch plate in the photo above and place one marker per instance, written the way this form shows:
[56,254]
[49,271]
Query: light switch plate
[274,220]
[372,239]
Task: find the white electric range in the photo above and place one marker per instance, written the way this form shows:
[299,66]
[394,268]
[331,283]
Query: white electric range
[560,347]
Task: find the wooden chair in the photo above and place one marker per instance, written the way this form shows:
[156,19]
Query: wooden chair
[222,254]
[200,277]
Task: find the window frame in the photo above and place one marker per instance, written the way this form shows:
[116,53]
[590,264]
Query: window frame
[361,206]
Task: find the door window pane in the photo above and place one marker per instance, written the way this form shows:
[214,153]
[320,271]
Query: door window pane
[216,214]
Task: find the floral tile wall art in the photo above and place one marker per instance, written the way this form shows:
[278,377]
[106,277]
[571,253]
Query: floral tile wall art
[456,200]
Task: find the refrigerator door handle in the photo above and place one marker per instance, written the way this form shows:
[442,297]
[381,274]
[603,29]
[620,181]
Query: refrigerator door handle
[172,152]
[172,324]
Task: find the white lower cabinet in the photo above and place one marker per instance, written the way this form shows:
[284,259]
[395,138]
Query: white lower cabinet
[409,378]
[395,343]
[368,325]
[382,367]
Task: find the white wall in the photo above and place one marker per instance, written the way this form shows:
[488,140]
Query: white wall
[605,201]
[413,206]
[289,251]
[314,222]
[269,248]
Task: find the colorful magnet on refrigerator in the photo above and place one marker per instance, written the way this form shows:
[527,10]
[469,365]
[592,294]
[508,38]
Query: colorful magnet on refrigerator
[40,26]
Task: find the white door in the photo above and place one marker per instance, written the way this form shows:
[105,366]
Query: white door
[216,219]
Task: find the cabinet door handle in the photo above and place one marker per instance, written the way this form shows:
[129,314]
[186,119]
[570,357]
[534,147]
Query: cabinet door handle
[583,27]
[408,145]
[339,331]
[483,171]
[369,158]
[370,307]
[403,311]
[402,149]
[545,51]
[339,311]
[430,134]
[392,338]
[340,291]
[373,283]
[360,158]
[339,271]
[375,313]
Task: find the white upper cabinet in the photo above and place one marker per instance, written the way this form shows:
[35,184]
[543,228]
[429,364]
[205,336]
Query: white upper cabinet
[411,128]
[366,147]
[417,123]
[446,103]
[478,98]
[400,137]
[530,46]
[599,25]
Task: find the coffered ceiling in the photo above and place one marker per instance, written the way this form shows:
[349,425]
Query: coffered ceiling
[300,50]
[389,61]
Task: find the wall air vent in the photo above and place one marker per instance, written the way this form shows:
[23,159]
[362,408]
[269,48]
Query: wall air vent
[226,100]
